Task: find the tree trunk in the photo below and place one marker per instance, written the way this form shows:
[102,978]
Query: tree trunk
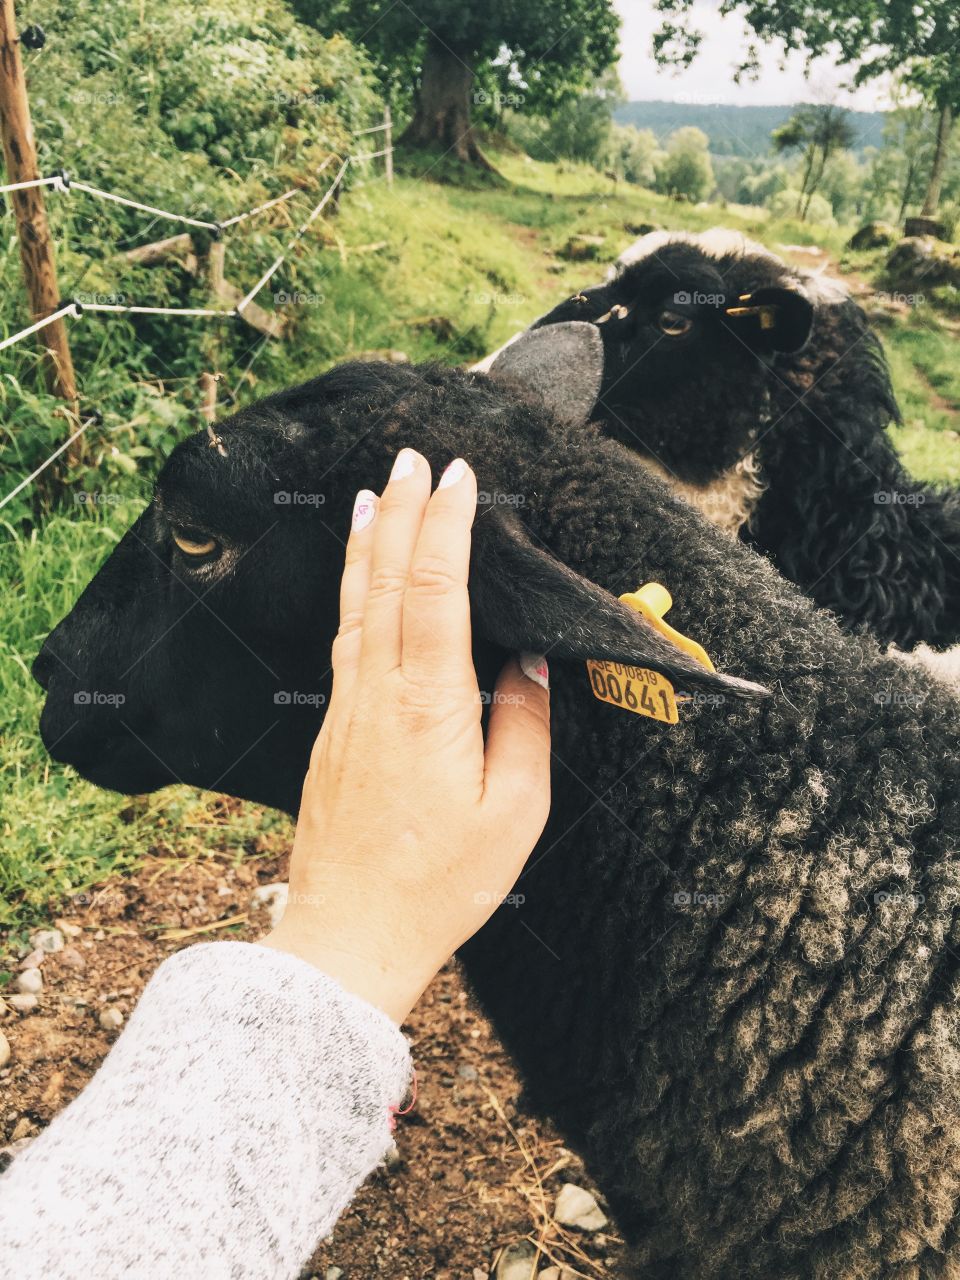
[808,169]
[931,201]
[908,183]
[442,116]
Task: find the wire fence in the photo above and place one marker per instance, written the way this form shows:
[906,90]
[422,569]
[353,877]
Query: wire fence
[63,184]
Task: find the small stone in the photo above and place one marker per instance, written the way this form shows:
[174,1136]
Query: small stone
[515,1262]
[333,1273]
[480,1274]
[24,1128]
[72,959]
[466,1072]
[33,961]
[549,1273]
[577,1208]
[272,898]
[48,940]
[30,982]
[99,936]
[4,1050]
[23,1003]
[69,930]
[111,1019]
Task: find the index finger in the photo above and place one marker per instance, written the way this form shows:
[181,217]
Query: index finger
[436,606]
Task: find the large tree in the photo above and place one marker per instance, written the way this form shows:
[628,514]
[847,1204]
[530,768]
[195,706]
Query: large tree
[539,52]
[919,39]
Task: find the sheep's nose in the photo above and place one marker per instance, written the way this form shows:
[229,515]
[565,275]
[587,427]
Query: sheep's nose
[42,668]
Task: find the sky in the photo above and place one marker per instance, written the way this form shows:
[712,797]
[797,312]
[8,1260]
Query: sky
[710,79]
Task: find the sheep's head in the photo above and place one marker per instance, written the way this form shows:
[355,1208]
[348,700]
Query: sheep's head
[200,651]
[693,327]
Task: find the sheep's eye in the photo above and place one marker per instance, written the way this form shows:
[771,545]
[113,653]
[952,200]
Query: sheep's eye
[195,544]
[673,324]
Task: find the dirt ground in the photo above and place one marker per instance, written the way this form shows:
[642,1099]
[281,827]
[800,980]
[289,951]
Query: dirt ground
[472,1174]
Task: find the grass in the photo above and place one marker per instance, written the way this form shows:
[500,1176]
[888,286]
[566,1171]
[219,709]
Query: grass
[429,268]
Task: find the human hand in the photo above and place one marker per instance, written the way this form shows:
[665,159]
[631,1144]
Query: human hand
[411,829]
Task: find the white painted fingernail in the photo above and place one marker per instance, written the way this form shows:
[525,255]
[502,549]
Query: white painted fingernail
[403,464]
[534,667]
[456,471]
[364,509]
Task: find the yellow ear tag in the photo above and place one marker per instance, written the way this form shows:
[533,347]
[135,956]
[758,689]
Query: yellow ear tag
[638,689]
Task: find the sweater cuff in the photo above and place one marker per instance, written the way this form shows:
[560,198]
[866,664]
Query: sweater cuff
[251,985]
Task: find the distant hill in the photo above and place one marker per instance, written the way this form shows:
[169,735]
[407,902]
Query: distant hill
[732,130]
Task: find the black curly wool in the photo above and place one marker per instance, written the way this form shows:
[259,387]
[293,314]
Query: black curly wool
[838,514]
[731,971]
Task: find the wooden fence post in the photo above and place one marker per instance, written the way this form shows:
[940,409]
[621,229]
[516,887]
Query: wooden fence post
[388,142]
[33,230]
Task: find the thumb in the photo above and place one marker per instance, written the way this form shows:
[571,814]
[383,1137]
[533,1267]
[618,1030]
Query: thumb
[517,758]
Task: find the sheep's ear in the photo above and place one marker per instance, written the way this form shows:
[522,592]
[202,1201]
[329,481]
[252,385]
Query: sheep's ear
[772,319]
[562,364]
[525,600]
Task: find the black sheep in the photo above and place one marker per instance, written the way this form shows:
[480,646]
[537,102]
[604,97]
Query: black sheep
[712,379]
[733,976]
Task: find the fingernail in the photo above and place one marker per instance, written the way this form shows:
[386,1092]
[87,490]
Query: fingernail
[403,464]
[534,667]
[364,509]
[456,471]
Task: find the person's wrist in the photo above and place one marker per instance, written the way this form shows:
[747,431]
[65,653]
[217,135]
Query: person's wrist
[384,975]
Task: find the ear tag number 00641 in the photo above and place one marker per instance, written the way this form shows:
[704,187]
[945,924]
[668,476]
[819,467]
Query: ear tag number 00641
[638,689]
[635,689]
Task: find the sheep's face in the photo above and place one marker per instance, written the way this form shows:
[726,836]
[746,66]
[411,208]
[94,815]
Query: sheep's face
[200,651]
[690,339]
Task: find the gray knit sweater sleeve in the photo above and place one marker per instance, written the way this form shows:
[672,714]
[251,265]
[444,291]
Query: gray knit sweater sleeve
[226,1131]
